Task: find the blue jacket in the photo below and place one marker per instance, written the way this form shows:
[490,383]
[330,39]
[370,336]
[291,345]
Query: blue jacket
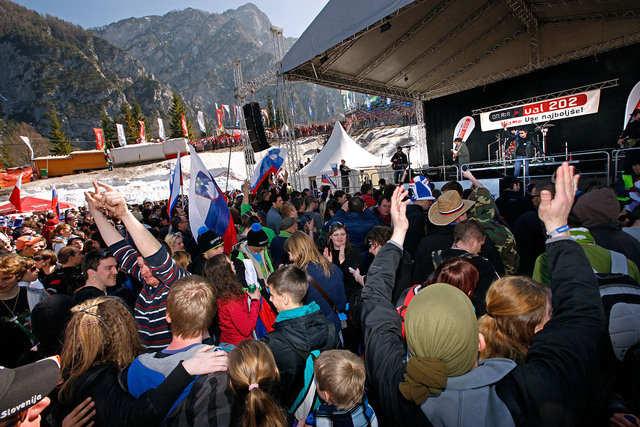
[358,225]
[333,285]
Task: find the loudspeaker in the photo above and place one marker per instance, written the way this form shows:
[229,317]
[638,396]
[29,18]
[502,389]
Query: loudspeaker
[255,128]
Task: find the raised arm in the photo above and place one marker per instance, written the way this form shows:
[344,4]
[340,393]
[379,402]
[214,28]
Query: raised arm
[113,200]
[109,233]
[467,174]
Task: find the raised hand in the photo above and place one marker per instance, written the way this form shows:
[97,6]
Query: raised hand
[399,209]
[328,255]
[113,200]
[554,211]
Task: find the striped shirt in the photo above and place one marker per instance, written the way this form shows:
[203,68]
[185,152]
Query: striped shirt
[151,303]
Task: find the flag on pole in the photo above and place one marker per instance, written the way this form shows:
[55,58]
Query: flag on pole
[310,112]
[183,121]
[334,168]
[633,102]
[208,208]
[226,107]
[235,114]
[368,102]
[99,138]
[265,113]
[16,197]
[271,163]
[175,181]
[219,114]
[143,134]
[28,142]
[201,121]
[122,140]
[327,180]
[55,205]
[161,135]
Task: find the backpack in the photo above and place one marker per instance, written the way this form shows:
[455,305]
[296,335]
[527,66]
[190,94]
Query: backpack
[406,298]
[307,400]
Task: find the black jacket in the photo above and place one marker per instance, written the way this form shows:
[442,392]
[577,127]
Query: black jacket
[116,407]
[610,236]
[551,388]
[306,333]
[416,216]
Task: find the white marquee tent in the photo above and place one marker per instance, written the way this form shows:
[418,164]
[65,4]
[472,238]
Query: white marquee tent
[340,146]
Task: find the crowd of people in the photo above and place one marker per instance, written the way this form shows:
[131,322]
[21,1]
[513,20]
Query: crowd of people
[393,304]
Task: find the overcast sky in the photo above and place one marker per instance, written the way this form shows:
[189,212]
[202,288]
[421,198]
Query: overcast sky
[292,15]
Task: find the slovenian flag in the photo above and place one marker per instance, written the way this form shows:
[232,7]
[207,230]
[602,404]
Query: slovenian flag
[55,205]
[271,163]
[175,181]
[334,168]
[208,208]
[327,180]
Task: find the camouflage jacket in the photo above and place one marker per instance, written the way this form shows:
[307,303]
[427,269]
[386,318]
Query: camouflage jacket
[483,212]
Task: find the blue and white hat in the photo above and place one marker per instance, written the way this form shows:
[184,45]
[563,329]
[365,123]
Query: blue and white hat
[420,188]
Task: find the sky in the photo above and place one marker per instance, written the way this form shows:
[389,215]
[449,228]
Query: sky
[294,16]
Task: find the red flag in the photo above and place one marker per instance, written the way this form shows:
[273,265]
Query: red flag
[16,198]
[55,205]
[143,137]
[219,118]
[185,132]
[99,138]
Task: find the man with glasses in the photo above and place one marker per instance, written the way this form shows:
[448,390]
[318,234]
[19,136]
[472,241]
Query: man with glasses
[99,270]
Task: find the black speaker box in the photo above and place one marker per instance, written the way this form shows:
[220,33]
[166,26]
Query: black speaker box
[255,128]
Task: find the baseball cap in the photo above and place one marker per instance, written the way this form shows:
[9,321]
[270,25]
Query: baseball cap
[23,387]
[287,223]
[26,240]
[420,188]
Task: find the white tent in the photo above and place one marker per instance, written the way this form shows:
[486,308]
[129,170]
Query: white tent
[340,146]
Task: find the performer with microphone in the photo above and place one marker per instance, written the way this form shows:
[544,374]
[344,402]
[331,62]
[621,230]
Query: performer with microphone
[460,152]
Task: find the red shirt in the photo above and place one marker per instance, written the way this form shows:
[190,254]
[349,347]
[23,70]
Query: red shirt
[236,321]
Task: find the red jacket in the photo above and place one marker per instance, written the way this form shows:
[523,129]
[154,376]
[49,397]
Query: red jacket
[236,321]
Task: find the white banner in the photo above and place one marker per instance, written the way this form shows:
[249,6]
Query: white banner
[465,126]
[201,121]
[28,142]
[633,102]
[161,129]
[122,140]
[564,107]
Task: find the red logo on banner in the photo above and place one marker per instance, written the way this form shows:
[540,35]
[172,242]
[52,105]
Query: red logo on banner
[99,138]
[143,138]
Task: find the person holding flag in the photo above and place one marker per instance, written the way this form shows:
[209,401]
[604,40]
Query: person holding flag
[327,180]
[270,164]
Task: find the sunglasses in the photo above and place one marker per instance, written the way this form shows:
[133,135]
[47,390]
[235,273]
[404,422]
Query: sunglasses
[33,269]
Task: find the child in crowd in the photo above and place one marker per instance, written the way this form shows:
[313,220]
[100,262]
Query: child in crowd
[340,377]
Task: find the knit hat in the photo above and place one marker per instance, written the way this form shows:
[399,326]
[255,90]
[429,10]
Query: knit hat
[257,237]
[26,240]
[209,240]
[420,189]
[287,223]
[23,387]
[597,207]
[448,208]
[442,336]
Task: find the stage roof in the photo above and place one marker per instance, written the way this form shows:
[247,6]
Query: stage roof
[431,48]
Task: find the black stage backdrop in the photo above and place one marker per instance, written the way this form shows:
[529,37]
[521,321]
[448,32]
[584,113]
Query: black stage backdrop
[588,132]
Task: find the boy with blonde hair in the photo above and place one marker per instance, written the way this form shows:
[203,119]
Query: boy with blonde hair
[191,305]
[340,377]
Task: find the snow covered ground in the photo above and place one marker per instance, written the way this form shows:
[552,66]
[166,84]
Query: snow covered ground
[151,181]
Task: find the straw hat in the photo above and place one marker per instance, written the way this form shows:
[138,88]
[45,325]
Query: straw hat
[448,208]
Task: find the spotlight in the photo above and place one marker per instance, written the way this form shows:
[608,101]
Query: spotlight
[406,78]
[384,27]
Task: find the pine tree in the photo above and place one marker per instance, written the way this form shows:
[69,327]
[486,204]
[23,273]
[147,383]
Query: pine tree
[131,127]
[109,130]
[176,112]
[61,146]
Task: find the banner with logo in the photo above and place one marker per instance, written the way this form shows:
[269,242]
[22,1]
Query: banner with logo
[565,107]
[465,126]
[183,122]
[633,102]
[161,130]
[122,140]
[143,134]
[99,138]
[201,121]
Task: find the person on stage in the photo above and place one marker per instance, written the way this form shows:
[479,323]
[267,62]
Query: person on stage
[524,149]
[631,132]
[460,152]
[399,163]
[344,173]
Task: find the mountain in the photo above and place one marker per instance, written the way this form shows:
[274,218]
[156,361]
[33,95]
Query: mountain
[49,62]
[192,51]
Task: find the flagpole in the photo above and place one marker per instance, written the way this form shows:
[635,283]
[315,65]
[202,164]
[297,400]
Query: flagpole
[228,168]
